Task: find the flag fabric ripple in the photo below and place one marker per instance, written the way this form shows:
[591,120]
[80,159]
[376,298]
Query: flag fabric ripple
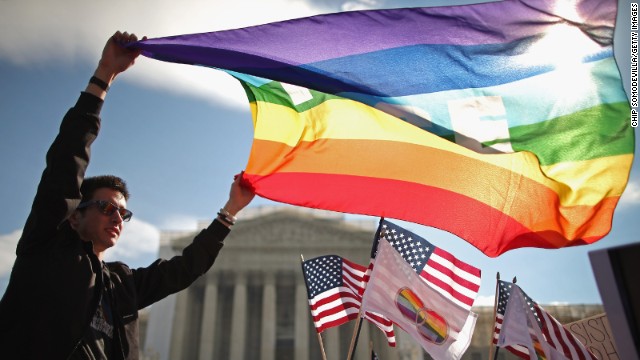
[508,131]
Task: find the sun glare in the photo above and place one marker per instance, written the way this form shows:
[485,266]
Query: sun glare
[564,46]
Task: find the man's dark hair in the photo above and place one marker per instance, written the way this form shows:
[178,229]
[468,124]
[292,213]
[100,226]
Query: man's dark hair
[91,184]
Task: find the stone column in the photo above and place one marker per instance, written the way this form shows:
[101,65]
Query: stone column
[362,347]
[380,339]
[179,324]
[238,317]
[331,341]
[301,323]
[269,322]
[209,311]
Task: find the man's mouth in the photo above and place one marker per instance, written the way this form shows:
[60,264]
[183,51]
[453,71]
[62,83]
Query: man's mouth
[114,231]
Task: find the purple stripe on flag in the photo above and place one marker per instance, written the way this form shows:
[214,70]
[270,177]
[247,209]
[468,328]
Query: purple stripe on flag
[360,32]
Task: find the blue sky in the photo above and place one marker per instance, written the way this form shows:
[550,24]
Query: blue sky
[179,133]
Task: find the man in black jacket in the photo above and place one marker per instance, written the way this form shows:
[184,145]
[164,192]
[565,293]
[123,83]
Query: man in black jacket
[63,301]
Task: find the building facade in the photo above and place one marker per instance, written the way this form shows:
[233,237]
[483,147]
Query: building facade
[252,305]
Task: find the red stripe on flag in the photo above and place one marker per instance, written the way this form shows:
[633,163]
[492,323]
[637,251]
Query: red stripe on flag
[554,335]
[333,323]
[455,277]
[447,288]
[458,263]
[383,324]
[356,267]
[583,352]
[352,275]
[561,339]
[408,201]
[335,310]
[320,300]
[355,287]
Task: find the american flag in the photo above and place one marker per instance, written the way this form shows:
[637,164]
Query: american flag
[504,291]
[553,333]
[334,288]
[451,277]
[395,290]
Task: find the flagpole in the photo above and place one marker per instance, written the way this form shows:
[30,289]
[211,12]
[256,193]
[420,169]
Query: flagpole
[356,330]
[324,355]
[356,335]
[495,306]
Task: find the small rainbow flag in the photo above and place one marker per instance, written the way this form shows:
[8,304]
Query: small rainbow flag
[508,131]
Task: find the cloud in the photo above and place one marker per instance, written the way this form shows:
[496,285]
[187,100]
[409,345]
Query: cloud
[137,246]
[360,5]
[74,31]
[559,303]
[177,222]
[484,301]
[8,244]
[631,195]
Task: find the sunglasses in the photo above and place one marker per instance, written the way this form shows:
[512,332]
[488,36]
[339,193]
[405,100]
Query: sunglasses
[107,208]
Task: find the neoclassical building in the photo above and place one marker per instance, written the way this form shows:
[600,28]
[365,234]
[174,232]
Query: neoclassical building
[252,305]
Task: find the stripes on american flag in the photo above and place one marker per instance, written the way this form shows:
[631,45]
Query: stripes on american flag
[554,333]
[453,278]
[334,288]
[385,325]
[560,338]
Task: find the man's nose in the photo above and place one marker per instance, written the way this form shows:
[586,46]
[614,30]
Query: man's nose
[116,217]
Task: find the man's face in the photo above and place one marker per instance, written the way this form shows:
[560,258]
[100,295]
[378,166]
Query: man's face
[92,225]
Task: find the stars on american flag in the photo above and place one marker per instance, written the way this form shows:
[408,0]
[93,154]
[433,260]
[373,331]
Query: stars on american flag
[504,292]
[414,249]
[323,273]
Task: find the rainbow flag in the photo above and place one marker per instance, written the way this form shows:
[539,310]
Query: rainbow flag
[508,131]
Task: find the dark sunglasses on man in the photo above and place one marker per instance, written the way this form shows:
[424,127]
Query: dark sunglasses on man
[107,208]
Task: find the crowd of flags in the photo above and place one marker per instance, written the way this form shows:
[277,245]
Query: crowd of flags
[400,287]
[507,131]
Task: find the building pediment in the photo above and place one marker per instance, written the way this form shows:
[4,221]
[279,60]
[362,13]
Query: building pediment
[286,228]
[288,232]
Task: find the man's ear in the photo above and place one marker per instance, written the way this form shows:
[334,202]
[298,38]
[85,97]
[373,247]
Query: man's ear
[74,219]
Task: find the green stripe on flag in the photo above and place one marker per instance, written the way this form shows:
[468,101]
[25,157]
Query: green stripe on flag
[589,134]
